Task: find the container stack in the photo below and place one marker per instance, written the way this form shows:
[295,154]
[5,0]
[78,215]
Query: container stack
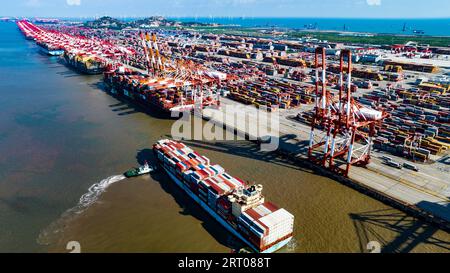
[418,124]
[266,224]
[271,93]
[164,94]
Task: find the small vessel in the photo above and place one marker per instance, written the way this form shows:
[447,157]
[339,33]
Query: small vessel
[144,169]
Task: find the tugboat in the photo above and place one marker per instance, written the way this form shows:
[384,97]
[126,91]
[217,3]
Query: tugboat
[145,169]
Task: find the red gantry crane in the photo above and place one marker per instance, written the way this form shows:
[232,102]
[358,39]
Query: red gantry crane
[196,82]
[342,129]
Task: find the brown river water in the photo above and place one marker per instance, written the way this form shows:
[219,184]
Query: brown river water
[61,134]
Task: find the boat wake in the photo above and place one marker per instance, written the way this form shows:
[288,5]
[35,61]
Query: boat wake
[49,234]
[94,192]
[291,246]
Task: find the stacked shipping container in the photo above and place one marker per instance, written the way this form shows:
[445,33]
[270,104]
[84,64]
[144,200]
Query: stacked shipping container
[418,125]
[166,94]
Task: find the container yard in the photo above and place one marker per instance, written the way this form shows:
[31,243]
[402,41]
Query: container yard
[375,118]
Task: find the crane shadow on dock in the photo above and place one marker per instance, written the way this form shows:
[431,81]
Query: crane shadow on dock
[409,231]
[445,160]
[187,206]
[298,147]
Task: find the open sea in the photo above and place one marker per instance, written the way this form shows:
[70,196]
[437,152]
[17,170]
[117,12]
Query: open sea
[435,27]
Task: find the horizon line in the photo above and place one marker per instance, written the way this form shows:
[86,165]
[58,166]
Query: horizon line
[228,17]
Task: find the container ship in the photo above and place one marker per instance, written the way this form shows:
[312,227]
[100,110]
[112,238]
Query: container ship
[165,95]
[86,55]
[85,63]
[28,30]
[237,206]
[49,49]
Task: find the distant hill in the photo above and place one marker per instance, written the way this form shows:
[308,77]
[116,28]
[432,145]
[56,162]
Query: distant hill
[154,21]
[106,22]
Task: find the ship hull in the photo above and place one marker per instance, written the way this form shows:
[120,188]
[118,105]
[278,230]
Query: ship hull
[56,52]
[83,69]
[219,219]
[134,173]
[147,105]
[140,100]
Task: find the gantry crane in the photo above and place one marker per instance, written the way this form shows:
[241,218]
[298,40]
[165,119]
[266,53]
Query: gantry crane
[342,129]
[194,80]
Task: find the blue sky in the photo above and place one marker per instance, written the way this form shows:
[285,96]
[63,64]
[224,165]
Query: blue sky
[225,8]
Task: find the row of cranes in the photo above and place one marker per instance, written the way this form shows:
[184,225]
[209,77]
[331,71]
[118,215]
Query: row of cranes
[180,68]
[192,79]
[75,44]
[167,77]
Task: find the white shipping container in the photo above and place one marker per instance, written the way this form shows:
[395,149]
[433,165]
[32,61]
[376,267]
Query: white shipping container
[273,237]
[262,210]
